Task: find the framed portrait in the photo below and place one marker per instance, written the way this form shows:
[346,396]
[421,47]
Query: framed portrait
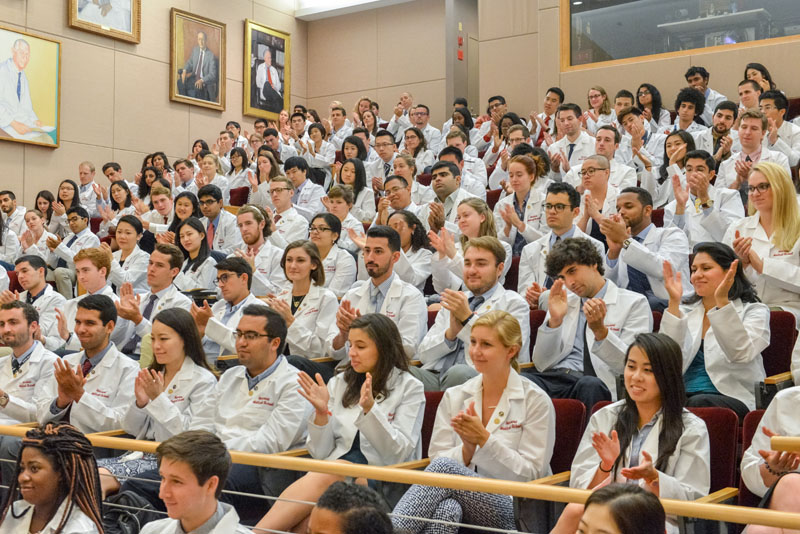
[197,60]
[30,88]
[267,79]
[119,19]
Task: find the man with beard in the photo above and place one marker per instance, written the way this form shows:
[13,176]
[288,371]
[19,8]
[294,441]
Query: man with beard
[264,257]
[720,140]
[383,293]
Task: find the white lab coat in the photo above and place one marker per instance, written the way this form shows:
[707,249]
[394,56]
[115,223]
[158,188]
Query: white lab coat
[309,200]
[171,299]
[86,239]
[107,393]
[404,305]
[584,147]
[268,276]
[223,333]
[267,419]
[324,158]
[727,170]
[39,248]
[290,227]
[532,261]
[732,346]
[10,248]
[627,314]
[16,221]
[344,241]
[621,176]
[227,236]
[340,270]
[704,140]
[609,206]
[389,433]
[159,223]
[781,418]
[203,277]
[421,195]
[70,308]
[187,403]
[779,282]
[688,473]
[449,272]
[661,244]
[314,321]
[239,179]
[534,216]
[364,207]
[261,196]
[27,390]
[788,142]
[46,306]
[451,218]
[710,224]
[18,520]
[134,270]
[229,524]
[413,267]
[522,430]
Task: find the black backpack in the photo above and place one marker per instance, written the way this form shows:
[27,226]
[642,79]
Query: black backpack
[126,513]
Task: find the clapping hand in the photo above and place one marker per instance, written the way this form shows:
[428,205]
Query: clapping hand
[644,471]
[777,461]
[724,287]
[607,448]
[366,400]
[557,303]
[317,394]
[469,427]
[148,386]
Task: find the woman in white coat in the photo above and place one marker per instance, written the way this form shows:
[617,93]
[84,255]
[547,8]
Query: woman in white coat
[768,241]
[266,169]
[68,196]
[9,246]
[129,263]
[352,173]
[175,393]
[406,167]
[56,489]
[648,100]
[774,475]
[648,438]
[416,147]
[340,266]
[199,269]
[599,111]
[34,239]
[721,329]
[497,425]
[308,308]
[475,219]
[319,154]
[369,414]
[520,217]
[211,173]
[241,174]
[119,204]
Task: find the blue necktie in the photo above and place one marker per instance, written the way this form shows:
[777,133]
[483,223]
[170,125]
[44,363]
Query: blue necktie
[637,280]
[571,149]
[19,85]
[61,261]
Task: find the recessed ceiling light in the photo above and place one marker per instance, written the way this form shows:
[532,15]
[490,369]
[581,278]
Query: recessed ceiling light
[577,3]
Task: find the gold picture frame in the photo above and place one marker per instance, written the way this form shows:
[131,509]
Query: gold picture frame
[262,99]
[107,18]
[197,47]
[30,88]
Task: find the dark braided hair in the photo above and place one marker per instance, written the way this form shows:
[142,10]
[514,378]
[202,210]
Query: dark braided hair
[73,457]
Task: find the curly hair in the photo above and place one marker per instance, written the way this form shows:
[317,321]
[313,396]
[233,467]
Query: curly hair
[570,251]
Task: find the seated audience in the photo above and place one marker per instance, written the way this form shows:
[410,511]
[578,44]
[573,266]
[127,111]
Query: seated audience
[307,196]
[782,135]
[129,262]
[697,78]
[352,173]
[198,270]
[371,413]
[348,508]
[498,425]
[576,145]
[340,266]
[338,202]
[648,101]
[222,232]
[599,196]
[118,204]
[12,215]
[647,147]
[720,139]
[240,174]
[63,250]
[34,239]
[442,212]
[519,215]
[211,173]
[67,197]
[287,224]
[405,167]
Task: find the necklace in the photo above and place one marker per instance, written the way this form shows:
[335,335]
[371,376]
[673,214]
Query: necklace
[296,301]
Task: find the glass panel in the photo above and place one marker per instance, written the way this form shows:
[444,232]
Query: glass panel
[604,30]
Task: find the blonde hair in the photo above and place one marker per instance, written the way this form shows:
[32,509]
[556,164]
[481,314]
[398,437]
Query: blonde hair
[507,329]
[160,190]
[216,162]
[605,109]
[487,227]
[785,213]
[411,162]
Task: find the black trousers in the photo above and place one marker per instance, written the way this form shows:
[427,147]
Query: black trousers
[311,368]
[568,384]
[717,400]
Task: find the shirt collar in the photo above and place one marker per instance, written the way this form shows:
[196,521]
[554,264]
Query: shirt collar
[569,233]
[208,526]
[97,358]
[36,296]
[161,294]
[26,355]
[253,381]
[643,234]
[215,222]
[384,287]
[486,296]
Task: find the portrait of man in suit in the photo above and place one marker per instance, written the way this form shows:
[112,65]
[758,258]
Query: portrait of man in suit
[199,76]
[267,80]
[269,84]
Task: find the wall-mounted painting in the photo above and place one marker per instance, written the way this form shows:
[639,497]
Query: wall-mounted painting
[120,19]
[30,88]
[197,60]
[266,71]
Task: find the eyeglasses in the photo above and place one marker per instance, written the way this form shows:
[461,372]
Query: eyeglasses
[394,190]
[643,92]
[558,207]
[223,278]
[589,172]
[495,105]
[318,229]
[383,145]
[278,189]
[761,188]
[74,219]
[592,97]
[208,202]
[250,335]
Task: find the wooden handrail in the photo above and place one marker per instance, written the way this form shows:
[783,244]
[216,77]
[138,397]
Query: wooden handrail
[552,480]
[714,512]
[785,443]
[779,378]
[719,496]
[413,464]
[117,432]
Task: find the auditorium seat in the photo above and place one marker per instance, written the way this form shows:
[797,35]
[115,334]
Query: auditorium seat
[432,400]
[512,276]
[536,318]
[424,178]
[570,416]
[339,157]
[656,321]
[239,196]
[13,282]
[723,433]
[777,357]
[749,429]
[492,196]
[94,224]
[657,217]
[431,318]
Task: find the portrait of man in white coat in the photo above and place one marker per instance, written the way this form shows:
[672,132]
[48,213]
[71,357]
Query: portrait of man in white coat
[114,14]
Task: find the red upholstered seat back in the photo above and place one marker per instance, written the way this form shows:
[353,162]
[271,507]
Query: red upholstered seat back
[432,400]
[570,415]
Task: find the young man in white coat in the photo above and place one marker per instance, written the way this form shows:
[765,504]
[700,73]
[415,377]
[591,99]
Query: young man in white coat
[307,196]
[607,141]
[599,196]
[92,389]
[217,323]
[443,211]
[23,375]
[13,215]
[575,146]
[647,146]
[258,409]
[580,348]
[444,350]
[164,265]
[221,230]
[286,223]
[383,293]
[31,272]
[702,211]
[194,466]
[720,139]
[782,135]
[264,257]
[637,249]
[562,206]
[63,251]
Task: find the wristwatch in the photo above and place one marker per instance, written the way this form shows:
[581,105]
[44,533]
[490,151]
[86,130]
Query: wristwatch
[707,204]
[626,244]
[465,321]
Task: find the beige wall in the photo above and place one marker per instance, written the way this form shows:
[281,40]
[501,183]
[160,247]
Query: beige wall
[115,96]
[379,53]
[519,58]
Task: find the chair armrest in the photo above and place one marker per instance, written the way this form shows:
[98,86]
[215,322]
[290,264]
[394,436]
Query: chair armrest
[292,453]
[779,378]
[526,365]
[552,480]
[415,363]
[719,496]
[323,359]
[413,464]
[228,357]
[232,209]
